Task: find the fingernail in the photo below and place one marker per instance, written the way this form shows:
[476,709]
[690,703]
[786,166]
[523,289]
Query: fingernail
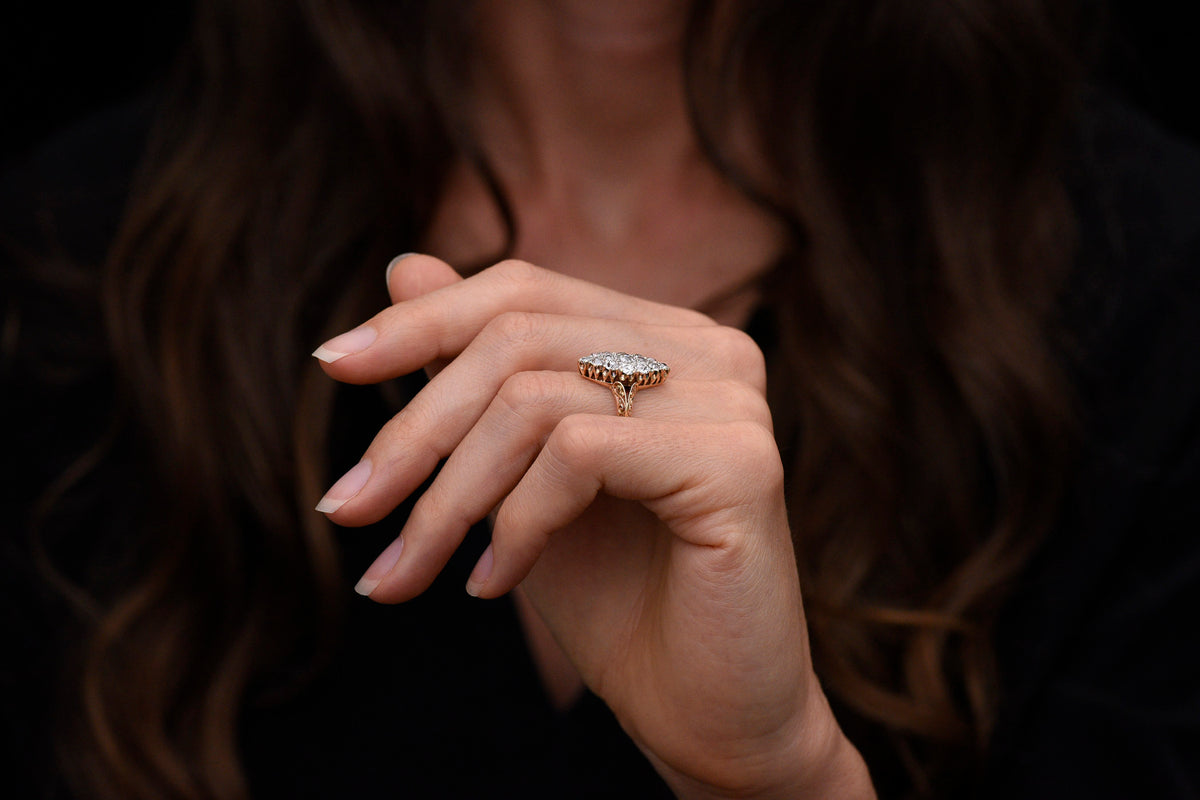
[481,573]
[348,343]
[387,274]
[347,486]
[382,566]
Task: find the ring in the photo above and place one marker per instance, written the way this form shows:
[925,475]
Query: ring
[624,374]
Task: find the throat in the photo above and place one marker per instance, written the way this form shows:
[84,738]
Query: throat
[686,240]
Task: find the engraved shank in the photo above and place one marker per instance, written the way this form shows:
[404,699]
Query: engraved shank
[624,373]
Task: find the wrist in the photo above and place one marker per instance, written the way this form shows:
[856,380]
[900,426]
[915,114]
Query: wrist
[812,760]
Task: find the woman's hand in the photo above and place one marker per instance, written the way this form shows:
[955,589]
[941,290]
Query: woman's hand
[656,547]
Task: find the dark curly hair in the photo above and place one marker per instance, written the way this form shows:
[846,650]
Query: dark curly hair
[911,151]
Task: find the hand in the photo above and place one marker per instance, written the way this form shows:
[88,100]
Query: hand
[656,547]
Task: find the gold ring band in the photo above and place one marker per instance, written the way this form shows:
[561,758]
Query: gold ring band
[624,373]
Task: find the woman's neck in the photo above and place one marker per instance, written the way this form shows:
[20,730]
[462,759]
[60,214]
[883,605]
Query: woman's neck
[580,109]
[564,87]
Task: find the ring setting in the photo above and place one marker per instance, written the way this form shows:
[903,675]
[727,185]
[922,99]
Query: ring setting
[624,374]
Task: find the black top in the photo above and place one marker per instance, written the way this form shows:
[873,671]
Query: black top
[1100,648]
[438,697]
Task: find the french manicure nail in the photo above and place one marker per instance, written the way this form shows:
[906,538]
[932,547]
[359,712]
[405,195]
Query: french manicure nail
[380,568]
[481,573]
[348,343]
[346,487]
[387,274]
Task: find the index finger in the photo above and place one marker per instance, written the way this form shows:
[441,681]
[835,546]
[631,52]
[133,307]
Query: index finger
[438,325]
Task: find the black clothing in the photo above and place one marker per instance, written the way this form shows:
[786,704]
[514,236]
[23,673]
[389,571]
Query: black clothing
[1099,648]
[439,698]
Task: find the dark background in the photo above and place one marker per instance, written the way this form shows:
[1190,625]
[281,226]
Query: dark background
[64,61]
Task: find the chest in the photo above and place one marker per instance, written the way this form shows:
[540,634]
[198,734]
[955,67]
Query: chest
[697,244]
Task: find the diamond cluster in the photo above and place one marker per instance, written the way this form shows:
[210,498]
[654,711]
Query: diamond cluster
[625,367]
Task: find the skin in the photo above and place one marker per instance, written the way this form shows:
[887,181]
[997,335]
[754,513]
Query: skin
[653,550]
[581,112]
[656,547]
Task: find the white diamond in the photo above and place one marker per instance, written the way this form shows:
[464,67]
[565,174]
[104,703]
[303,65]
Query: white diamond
[625,363]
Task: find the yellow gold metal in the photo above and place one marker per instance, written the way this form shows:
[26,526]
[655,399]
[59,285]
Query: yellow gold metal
[624,374]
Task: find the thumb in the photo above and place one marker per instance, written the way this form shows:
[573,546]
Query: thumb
[413,274]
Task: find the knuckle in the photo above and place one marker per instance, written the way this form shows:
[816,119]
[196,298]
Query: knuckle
[744,402]
[576,438]
[756,452]
[738,348]
[435,508]
[518,272]
[404,421]
[526,389]
[511,327]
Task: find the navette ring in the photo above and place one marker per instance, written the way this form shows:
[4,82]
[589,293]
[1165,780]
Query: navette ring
[624,373]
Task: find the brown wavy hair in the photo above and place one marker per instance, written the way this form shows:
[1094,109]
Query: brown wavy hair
[911,150]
